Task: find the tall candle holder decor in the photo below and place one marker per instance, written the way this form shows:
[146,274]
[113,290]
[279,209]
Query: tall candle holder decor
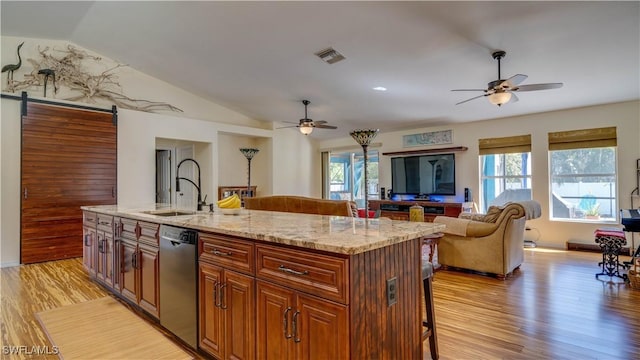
[249,153]
[364,137]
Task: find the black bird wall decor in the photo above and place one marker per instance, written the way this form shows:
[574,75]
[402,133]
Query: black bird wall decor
[47,73]
[13,67]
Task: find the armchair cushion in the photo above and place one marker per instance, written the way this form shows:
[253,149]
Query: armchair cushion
[490,217]
[466,227]
[492,214]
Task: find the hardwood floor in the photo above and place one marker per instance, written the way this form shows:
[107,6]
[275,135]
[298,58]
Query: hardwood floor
[553,308]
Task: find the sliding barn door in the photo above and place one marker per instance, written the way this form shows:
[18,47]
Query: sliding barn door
[68,160]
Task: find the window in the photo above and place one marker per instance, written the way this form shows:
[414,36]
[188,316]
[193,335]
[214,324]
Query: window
[337,173]
[505,170]
[505,178]
[583,177]
[346,178]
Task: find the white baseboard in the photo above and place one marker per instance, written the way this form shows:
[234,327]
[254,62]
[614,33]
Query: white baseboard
[9,264]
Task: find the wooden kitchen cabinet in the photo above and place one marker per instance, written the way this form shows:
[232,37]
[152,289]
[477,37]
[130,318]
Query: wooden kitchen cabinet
[89,247]
[104,263]
[105,250]
[211,315]
[227,298]
[149,290]
[139,264]
[294,325]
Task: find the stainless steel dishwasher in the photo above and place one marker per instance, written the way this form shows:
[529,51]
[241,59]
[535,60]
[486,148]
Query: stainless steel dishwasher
[178,282]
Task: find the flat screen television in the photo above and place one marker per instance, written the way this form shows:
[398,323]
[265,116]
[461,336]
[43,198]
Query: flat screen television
[424,175]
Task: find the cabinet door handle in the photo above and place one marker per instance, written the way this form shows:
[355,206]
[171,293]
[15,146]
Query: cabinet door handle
[134,260]
[121,258]
[220,253]
[26,193]
[295,326]
[223,303]
[101,246]
[103,223]
[215,293]
[291,271]
[285,323]
[87,237]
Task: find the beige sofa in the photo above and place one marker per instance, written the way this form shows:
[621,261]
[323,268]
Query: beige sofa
[301,204]
[491,243]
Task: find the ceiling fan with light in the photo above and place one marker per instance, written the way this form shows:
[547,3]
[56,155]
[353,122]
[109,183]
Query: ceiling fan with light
[501,91]
[307,125]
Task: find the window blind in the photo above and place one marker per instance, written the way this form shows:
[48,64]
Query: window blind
[581,139]
[505,145]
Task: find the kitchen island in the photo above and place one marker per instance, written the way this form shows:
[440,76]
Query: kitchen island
[282,285]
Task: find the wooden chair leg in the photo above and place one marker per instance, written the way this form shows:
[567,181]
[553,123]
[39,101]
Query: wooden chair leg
[430,333]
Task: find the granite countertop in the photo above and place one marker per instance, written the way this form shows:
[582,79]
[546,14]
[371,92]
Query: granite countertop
[336,234]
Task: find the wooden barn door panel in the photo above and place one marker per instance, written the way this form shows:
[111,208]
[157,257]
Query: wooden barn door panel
[68,160]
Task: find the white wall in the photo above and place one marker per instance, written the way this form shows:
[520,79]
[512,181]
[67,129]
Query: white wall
[137,134]
[134,84]
[295,151]
[10,185]
[625,116]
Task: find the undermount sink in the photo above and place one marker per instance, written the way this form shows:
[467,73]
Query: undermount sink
[170,212]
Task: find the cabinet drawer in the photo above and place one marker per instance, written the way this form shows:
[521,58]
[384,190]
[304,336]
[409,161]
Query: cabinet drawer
[89,218]
[105,222]
[128,229]
[149,233]
[228,251]
[316,274]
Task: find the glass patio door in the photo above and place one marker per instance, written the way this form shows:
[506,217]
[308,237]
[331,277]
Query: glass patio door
[346,176]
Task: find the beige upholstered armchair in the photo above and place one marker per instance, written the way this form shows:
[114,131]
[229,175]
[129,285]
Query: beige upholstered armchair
[491,243]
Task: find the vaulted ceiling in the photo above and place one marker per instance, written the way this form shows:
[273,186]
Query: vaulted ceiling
[258,57]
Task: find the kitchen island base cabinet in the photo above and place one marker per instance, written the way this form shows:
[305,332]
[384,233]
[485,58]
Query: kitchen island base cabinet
[140,269]
[268,292]
[292,325]
[89,249]
[104,255]
[139,264]
[105,260]
[227,313]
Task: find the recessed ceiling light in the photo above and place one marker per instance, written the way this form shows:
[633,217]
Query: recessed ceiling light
[380,88]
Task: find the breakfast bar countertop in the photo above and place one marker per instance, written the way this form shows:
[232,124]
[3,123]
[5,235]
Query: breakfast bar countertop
[335,234]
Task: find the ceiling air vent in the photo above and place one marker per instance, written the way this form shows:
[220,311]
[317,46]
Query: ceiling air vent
[329,55]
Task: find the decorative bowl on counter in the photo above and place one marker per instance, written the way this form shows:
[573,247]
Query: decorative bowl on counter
[235,211]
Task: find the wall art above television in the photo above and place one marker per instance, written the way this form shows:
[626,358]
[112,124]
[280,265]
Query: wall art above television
[428,138]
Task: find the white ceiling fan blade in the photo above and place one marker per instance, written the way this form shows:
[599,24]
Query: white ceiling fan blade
[514,98]
[284,127]
[469,90]
[319,122]
[513,81]
[534,87]
[473,98]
